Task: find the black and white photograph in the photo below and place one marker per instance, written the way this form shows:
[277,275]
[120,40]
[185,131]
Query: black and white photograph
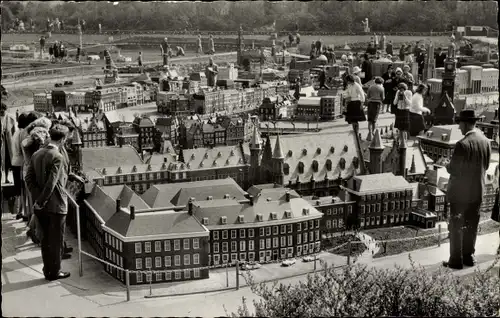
[250,159]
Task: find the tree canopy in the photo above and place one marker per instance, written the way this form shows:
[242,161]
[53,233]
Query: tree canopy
[325,16]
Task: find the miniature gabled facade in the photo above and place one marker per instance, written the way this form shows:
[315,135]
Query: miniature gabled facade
[439,141]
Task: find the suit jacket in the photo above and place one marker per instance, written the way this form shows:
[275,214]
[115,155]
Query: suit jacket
[467,168]
[46,179]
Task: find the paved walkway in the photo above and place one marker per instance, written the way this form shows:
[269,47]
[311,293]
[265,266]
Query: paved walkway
[96,293]
[372,248]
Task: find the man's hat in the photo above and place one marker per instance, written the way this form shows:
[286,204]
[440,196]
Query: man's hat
[467,115]
[356,70]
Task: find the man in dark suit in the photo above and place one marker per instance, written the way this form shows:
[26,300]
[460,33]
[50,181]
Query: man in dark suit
[467,169]
[46,179]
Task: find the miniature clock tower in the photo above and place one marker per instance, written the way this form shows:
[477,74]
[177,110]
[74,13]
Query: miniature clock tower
[450,72]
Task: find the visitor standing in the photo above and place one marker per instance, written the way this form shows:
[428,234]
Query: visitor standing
[417,109]
[322,78]
[211,45]
[440,57]
[356,72]
[318,46]
[46,179]
[42,45]
[467,169]
[297,38]
[376,40]
[164,51]
[408,77]
[17,164]
[78,53]
[389,49]
[388,87]
[402,52]
[8,130]
[139,62]
[100,28]
[402,101]
[355,97]
[211,72]
[366,68]
[375,98]
[199,47]
[296,93]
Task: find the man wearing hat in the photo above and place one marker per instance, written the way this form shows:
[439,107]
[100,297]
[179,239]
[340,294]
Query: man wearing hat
[164,51]
[211,73]
[467,169]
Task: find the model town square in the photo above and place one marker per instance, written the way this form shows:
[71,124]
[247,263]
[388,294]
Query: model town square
[250,158]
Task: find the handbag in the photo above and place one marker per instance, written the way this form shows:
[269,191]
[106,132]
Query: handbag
[495,215]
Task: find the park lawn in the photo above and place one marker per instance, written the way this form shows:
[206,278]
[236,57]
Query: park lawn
[356,249]
[393,248]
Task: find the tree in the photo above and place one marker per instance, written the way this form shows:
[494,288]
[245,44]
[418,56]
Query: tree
[358,291]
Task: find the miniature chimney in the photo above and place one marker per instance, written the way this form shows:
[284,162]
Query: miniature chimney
[287,196]
[118,205]
[165,160]
[190,206]
[251,199]
[132,212]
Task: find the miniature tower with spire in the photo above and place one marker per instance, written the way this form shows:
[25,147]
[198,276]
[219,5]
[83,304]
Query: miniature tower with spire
[402,157]
[255,150]
[376,148]
[278,162]
[76,145]
[412,167]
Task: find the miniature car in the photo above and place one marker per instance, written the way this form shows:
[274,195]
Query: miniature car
[250,266]
[288,262]
[309,258]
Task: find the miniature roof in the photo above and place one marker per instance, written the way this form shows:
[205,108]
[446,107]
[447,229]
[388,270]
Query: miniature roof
[376,141]
[155,223]
[103,199]
[178,194]
[98,157]
[319,156]
[256,141]
[92,124]
[450,133]
[323,200]
[143,121]
[271,194]
[219,157]
[214,210]
[383,182]
[277,153]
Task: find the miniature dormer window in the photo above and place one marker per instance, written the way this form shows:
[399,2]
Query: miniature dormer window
[346,148]
[188,165]
[201,164]
[219,155]
[192,156]
[232,152]
[328,165]
[286,169]
[301,167]
[444,137]
[134,169]
[227,162]
[315,166]
[209,198]
[332,149]
[206,155]
[104,171]
[429,134]
[260,217]
[205,221]
[149,168]
[305,211]
[288,214]
[240,160]
[241,218]
[214,164]
[119,171]
[223,220]
[355,162]
[342,163]
[290,153]
[274,216]
[304,152]
[318,151]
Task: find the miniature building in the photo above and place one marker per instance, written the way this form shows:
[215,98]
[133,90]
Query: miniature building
[272,108]
[382,199]
[94,158]
[309,108]
[439,141]
[146,130]
[166,128]
[489,126]
[126,135]
[93,132]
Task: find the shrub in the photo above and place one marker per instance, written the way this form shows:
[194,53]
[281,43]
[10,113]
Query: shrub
[367,292]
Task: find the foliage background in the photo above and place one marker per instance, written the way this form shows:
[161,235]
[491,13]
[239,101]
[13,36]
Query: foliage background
[326,16]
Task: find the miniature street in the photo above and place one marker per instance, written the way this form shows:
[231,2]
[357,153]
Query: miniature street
[95,294]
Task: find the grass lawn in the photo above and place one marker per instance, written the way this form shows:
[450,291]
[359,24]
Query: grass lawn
[393,248]
[356,249]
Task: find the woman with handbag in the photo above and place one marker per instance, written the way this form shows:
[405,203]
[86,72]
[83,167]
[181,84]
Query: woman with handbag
[355,98]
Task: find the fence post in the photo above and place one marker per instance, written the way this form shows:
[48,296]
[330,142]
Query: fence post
[127,283]
[79,237]
[349,248]
[237,274]
[227,275]
[315,262]
[439,235]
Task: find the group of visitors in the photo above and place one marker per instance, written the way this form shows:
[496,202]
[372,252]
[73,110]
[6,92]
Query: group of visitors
[33,149]
[57,52]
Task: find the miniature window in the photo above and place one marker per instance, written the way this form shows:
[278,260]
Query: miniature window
[342,163]
[286,169]
[315,165]
[301,167]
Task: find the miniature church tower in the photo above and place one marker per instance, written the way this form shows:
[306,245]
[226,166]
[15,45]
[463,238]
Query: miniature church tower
[255,151]
[76,145]
[278,162]
[376,148]
[445,111]
[430,63]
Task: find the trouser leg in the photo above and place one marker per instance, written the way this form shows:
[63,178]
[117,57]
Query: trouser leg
[43,222]
[455,228]
[471,223]
[56,238]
